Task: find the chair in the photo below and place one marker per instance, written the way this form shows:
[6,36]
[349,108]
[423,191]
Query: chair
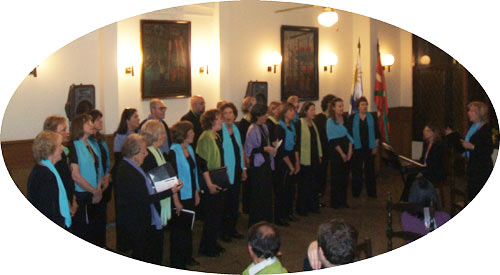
[458,197]
[400,207]
[364,248]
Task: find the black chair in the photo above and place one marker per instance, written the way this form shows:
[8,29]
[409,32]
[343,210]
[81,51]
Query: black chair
[401,207]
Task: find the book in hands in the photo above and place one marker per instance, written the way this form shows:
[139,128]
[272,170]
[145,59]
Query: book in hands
[163,177]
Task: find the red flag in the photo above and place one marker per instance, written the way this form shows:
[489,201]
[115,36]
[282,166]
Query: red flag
[381,100]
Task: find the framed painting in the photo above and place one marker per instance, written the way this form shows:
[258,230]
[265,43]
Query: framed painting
[299,71]
[166,60]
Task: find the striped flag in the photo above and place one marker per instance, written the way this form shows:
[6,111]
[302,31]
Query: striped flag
[381,100]
[357,90]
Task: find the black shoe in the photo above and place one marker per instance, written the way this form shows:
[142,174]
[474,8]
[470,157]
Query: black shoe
[225,238]
[219,249]
[192,262]
[293,218]
[282,223]
[237,235]
[211,253]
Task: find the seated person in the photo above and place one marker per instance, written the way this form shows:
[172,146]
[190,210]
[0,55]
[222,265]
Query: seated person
[421,193]
[263,246]
[336,245]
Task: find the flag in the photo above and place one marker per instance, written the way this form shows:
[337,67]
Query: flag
[357,90]
[381,100]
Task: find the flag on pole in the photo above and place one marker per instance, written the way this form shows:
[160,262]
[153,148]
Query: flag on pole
[381,100]
[357,90]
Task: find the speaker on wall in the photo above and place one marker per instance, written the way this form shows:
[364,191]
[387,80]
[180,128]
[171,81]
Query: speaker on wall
[258,90]
[81,98]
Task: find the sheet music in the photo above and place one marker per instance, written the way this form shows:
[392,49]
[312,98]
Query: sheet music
[411,161]
[165,184]
[278,144]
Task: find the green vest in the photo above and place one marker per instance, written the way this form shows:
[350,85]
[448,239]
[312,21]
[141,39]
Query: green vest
[274,268]
[305,142]
[208,150]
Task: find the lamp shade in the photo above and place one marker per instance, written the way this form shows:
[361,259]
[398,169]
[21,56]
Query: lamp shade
[331,59]
[275,58]
[425,60]
[328,18]
[387,60]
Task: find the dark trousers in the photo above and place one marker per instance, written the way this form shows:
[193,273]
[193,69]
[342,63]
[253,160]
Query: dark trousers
[307,195]
[261,201]
[245,194]
[363,164]
[231,206]
[476,181]
[339,181]
[181,238]
[80,224]
[281,177]
[212,221]
[147,245]
[97,223]
[322,173]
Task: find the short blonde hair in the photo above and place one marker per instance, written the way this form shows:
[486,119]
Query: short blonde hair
[247,104]
[45,144]
[293,99]
[132,145]
[272,106]
[151,131]
[52,122]
[482,110]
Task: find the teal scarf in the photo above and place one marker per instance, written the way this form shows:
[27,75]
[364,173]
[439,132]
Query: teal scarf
[166,211]
[472,130]
[227,145]
[336,130]
[86,164]
[371,131]
[289,135]
[183,171]
[63,199]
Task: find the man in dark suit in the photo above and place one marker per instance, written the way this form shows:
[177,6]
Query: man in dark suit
[193,116]
[158,109]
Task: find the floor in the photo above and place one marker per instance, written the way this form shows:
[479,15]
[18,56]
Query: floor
[367,215]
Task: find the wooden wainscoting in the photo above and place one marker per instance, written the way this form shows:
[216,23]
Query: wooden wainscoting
[400,120]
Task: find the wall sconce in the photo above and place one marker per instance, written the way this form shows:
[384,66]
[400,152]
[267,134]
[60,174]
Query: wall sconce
[387,60]
[328,17]
[425,60]
[202,69]
[34,72]
[129,70]
[274,59]
[331,60]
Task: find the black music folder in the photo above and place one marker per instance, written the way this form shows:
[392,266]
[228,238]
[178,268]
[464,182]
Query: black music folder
[220,177]
[163,177]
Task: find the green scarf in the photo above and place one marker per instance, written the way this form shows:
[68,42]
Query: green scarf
[273,119]
[305,142]
[166,212]
[208,150]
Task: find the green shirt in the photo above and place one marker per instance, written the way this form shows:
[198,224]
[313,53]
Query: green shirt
[274,268]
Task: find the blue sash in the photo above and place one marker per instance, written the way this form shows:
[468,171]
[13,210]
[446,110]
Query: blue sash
[183,171]
[289,135]
[227,145]
[86,164]
[472,130]
[63,199]
[371,131]
[336,130]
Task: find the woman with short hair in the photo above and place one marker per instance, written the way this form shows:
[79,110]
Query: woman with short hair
[273,113]
[243,125]
[46,190]
[184,161]
[138,209]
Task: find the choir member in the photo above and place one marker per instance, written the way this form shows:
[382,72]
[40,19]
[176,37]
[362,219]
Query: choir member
[340,146]
[157,112]
[243,124]
[273,113]
[197,109]
[310,152]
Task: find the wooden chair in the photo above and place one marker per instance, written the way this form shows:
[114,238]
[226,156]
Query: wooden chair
[364,248]
[400,207]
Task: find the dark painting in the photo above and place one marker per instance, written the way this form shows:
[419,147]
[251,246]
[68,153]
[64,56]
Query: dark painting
[299,71]
[166,66]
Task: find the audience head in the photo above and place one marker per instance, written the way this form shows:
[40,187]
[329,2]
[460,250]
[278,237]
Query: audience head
[57,124]
[478,111]
[308,110]
[247,104]
[129,121]
[211,120]
[336,243]
[362,104]
[48,146]
[81,126]
[157,108]
[325,101]
[431,132]
[258,114]
[287,111]
[220,103]
[294,100]
[153,132]
[96,119]
[197,104]
[182,131]
[134,148]
[263,241]
[229,112]
[274,109]
[335,108]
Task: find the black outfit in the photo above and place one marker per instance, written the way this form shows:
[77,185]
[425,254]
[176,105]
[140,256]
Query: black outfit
[308,182]
[243,126]
[43,193]
[181,237]
[363,161]
[479,165]
[134,213]
[195,120]
[285,185]
[271,126]
[62,168]
[232,195]
[100,209]
[86,222]
[320,121]
[340,172]
[261,198]
[213,207]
